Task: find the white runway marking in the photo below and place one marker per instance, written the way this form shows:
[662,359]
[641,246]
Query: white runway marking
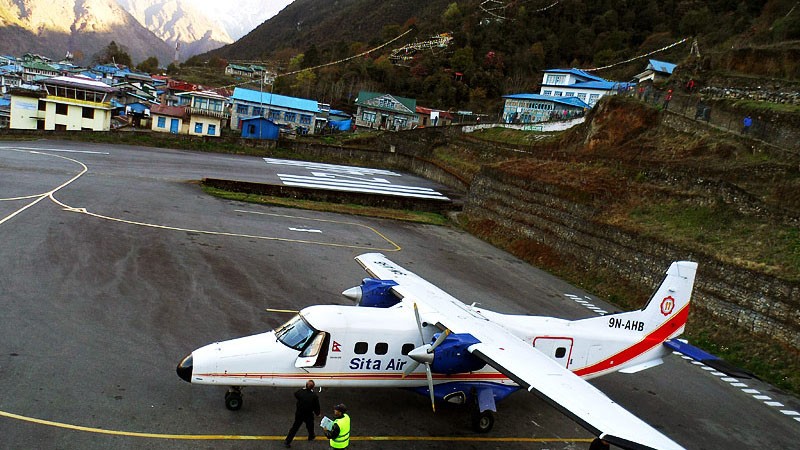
[352,170]
[58,150]
[305,230]
[350,179]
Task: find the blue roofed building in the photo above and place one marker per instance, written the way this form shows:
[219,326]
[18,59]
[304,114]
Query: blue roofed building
[532,108]
[299,114]
[655,71]
[587,87]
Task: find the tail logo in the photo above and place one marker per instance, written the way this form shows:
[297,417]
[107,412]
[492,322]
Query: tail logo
[667,305]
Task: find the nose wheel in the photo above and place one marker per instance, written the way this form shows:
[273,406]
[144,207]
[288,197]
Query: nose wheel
[482,421]
[233,398]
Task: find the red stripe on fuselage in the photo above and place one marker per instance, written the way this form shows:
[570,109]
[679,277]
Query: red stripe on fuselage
[493,376]
[657,337]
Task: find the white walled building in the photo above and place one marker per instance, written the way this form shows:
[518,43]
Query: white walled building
[63,103]
[577,83]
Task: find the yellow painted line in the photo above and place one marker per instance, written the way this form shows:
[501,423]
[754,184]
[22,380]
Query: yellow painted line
[220,437]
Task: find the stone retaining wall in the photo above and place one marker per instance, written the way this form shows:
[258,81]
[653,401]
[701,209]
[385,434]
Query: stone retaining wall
[758,303]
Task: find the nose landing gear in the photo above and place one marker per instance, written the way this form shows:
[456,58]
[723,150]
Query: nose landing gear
[233,398]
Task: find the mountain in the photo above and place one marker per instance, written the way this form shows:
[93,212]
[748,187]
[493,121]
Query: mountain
[178,22]
[241,17]
[304,22]
[83,27]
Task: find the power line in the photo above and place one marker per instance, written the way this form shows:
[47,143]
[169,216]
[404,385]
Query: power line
[326,64]
[636,57]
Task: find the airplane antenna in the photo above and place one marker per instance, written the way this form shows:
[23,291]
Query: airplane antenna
[281,310]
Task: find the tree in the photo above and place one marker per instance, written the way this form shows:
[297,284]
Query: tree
[149,65]
[113,54]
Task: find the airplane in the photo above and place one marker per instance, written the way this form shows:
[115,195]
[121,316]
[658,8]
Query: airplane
[403,331]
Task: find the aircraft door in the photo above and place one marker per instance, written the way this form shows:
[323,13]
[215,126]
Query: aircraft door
[316,352]
[556,348]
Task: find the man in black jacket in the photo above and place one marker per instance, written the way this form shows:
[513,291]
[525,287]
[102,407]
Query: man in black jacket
[307,408]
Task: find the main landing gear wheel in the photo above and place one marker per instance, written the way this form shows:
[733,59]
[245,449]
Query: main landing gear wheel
[483,421]
[233,399]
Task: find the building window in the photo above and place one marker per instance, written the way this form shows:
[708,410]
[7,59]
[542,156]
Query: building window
[61,109]
[305,119]
[198,128]
[200,102]
[87,113]
[555,79]
[212,129]
[387,103]
[582,96]
[557,93]
[42,105]
[242,109]
[162,122]
[550,93]
[593,98]
[258,111]
[251,129]
[368,116]
[289,116]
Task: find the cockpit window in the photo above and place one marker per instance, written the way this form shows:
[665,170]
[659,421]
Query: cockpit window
[295,333]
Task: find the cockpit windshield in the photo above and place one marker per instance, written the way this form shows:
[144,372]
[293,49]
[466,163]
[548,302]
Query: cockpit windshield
[295,333]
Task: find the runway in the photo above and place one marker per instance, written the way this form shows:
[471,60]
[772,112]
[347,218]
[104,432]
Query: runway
[115,265]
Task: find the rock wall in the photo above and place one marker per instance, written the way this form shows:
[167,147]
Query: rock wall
[757,303]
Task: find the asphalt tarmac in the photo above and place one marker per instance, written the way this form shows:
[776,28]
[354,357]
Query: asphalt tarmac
[114,265]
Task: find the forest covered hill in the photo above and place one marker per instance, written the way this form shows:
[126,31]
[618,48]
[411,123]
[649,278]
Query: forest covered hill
[501,47]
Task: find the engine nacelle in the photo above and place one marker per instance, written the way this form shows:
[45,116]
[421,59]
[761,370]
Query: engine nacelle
[373,293]
[451,356]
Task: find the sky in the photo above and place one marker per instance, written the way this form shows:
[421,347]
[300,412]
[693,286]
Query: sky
[239,17]
[270,7]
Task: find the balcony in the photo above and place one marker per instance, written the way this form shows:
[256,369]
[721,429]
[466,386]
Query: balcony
[207,112]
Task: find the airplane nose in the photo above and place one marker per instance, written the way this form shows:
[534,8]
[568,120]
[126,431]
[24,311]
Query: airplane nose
[185,368]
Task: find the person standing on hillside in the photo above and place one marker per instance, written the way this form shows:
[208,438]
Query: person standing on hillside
[746,124]
[307,408]
[667,99]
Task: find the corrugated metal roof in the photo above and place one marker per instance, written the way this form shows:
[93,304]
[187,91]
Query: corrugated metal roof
[172,111]
[577,72]
[365,96]
[661,66]
[571,101]
[82,82]
[269,99]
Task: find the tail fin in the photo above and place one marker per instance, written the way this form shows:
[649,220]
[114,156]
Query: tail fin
[664,316]
[669,306]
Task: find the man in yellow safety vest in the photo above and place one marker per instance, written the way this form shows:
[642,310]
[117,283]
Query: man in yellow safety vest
[339,433]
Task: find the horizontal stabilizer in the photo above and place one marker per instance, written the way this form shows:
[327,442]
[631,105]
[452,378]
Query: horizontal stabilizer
[708,359]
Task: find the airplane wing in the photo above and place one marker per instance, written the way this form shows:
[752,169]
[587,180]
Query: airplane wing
[521,362]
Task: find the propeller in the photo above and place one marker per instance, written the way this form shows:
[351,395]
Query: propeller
[424,355]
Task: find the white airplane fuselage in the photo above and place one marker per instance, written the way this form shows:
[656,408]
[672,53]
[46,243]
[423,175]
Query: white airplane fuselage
[367,347]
